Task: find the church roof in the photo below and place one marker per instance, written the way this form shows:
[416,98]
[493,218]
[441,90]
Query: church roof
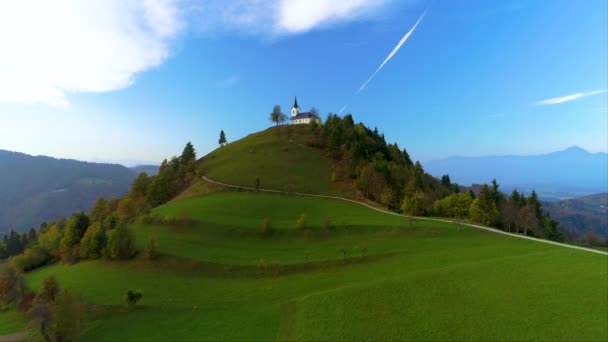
[304,116]
[295,103]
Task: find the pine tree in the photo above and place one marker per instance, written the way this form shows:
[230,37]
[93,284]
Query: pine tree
[189,153]
[222,140]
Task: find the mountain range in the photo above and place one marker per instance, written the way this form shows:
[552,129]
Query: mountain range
[34,189]
[564,174]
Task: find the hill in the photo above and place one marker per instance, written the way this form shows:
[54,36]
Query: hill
[369,276]
[582,214]
[236,264]
[282,159]
[38,189]
[568,173]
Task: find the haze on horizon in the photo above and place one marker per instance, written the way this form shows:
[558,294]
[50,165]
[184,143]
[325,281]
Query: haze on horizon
[137,80]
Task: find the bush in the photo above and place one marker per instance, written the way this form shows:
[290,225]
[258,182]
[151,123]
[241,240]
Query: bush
[152,248]
[301,223]
[267,229]
[132,297]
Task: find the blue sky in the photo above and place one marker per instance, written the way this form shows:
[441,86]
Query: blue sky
[475,77]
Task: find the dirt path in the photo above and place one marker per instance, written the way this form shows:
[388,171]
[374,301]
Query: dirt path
[496,231]
[16,337]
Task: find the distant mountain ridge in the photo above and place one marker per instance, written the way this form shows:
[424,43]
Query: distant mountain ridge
[568,173]
[34,189]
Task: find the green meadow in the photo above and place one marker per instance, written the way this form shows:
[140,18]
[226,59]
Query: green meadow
[419,280]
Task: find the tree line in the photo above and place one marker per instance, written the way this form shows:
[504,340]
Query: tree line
[385,173]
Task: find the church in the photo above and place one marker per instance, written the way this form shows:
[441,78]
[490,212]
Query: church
[298,118]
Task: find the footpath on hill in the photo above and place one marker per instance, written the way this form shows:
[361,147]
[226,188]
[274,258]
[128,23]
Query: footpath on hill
[493,230]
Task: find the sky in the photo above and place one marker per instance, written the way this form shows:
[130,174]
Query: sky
[135,80]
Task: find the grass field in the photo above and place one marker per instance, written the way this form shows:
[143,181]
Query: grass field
[281,160]
[12,321]
[432,281]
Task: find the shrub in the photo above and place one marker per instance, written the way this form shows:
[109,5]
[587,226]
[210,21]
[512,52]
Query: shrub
[301,223]
[152,248]
[267,229]
[132,297]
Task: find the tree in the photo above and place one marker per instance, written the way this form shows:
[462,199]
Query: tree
[68,313]
[50,289]
[101,208]
[414,204]
[121,244]
[132,297]
[222,141]
[481,212]
[73,232]
[93,242]
[276,114]
[189,153]
[50,240]
[126,209]
[445,181]
[282,119]
[42,313]
[591,239]
[528,220]
[140,185]
[12,284]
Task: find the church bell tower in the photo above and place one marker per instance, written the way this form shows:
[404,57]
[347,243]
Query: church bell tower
[295,110]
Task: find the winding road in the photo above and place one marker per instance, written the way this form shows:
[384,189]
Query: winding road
[496,231]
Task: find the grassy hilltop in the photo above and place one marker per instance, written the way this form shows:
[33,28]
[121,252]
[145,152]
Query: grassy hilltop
[344,272]
[280,157]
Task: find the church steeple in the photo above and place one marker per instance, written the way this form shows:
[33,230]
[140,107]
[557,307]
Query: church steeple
[295,110]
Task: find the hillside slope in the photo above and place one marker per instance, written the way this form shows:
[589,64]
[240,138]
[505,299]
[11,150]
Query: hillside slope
[38,189]
[280,158]
[582,214]
[370,276]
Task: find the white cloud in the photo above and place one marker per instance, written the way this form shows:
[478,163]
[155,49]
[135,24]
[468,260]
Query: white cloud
[296,16]
[280,17]
[568,98]
[53,48]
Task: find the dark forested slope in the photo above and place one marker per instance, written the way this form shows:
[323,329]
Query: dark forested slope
[37,189]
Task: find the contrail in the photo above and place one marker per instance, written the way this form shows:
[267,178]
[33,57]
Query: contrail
[390,55]
[342,109]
